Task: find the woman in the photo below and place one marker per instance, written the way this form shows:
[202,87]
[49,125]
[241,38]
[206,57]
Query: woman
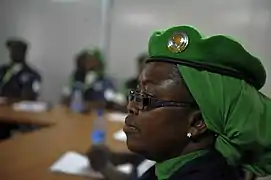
[88,71]
[197,110]
[89,80]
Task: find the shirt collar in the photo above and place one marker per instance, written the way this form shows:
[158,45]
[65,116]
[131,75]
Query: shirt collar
[165,169]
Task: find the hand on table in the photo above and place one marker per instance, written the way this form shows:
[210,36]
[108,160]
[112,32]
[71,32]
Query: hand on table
[99,157]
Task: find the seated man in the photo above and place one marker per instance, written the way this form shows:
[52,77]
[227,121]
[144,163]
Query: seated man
[18,81]
[89,80]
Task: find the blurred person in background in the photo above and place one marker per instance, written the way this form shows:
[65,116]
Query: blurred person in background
[89,77]
[197,111]
[132,83]
[18,80]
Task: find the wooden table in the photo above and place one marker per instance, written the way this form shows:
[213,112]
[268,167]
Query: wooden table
[28,157]
[48,118]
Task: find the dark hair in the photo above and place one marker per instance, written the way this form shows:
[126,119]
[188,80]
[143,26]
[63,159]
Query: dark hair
[178,80]
[142,58]
[20,44]
[176,76]
[96,54]
[80,58]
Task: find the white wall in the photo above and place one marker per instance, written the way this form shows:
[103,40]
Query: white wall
[57,30]
[247,20]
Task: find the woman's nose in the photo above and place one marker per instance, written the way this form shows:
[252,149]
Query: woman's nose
[131,108]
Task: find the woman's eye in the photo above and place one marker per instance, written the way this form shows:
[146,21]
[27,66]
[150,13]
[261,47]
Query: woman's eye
[139,99]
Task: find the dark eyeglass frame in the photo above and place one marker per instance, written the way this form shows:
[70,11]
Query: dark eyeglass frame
[145,101]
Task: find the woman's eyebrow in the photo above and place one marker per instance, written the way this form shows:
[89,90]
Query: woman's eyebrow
[166,83]
[144,91]
[148,81]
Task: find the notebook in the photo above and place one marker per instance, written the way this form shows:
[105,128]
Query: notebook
[120,136]
[73,163]
[116,116]
[29,106]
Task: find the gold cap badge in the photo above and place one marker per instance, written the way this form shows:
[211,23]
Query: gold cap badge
[178,42]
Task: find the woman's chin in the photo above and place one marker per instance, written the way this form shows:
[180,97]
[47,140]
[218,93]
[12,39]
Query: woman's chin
[134,145]
[139,149]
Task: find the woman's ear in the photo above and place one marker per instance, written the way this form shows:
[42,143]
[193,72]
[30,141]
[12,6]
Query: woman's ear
[196,123]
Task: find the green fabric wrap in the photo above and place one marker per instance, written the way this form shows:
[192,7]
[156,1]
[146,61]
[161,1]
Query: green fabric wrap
[238,113]
[164,170]
[95,52]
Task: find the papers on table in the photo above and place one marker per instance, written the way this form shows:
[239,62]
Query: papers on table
[120,135]
[74,163]
[116,116]
[30,106]
[3,100]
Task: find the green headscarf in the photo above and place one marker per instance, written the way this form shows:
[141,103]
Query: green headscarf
[224,80]
[238,113]
[96,53]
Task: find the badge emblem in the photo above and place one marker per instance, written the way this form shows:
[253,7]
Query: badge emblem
[178,42]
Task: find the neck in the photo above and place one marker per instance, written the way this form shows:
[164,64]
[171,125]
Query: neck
[192,146]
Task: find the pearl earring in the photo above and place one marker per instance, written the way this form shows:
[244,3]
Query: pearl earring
[189,135]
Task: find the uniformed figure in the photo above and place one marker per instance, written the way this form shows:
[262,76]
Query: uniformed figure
[197,110]
[18,81]
[89,78]
[132,83]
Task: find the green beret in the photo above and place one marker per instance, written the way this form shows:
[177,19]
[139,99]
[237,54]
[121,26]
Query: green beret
[97,54]
[218,54]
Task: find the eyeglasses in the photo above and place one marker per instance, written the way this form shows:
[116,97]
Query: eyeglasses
[144,101]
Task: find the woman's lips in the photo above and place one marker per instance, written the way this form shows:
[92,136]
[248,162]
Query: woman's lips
[129,126]
[130,129]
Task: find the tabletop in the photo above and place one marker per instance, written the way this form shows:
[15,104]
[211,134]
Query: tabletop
[29,156]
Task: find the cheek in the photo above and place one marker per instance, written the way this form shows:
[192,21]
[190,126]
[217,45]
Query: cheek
[161,122]
[159,133]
